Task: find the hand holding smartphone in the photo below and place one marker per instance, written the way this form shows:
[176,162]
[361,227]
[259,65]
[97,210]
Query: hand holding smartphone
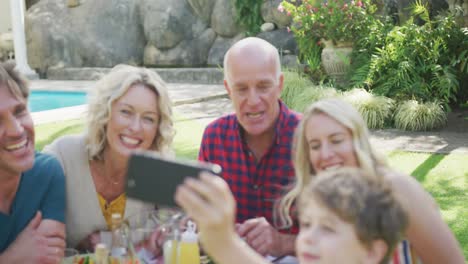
[153,178]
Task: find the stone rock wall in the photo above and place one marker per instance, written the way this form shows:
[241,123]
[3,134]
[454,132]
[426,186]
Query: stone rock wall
[154,33]
[97,33]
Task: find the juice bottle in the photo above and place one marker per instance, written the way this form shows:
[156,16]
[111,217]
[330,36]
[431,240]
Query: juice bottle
[188,250]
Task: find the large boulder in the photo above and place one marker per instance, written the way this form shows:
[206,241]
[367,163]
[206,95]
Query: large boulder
[189,52]
[203,8]
[271,14]
[282,39]
[97,33]
[219,49]
[167,23]
[223,19]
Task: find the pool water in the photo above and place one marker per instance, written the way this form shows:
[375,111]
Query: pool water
[48,100]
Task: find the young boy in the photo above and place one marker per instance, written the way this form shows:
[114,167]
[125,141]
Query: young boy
[345,215]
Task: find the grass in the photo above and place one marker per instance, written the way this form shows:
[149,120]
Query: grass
[444,176]
[186,144]
[45,134]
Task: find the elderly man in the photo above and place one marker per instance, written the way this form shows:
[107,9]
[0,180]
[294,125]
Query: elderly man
[253,145]
[32,187]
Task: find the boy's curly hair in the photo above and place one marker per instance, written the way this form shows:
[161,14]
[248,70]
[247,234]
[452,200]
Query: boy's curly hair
[365,201]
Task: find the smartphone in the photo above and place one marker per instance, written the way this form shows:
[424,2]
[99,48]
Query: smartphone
[153,178]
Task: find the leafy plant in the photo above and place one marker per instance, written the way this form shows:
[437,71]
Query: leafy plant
[364,48]
[376,110]
[294,83]
[414,116]
[337,20]
[248,15]
[424,62]
[312,94]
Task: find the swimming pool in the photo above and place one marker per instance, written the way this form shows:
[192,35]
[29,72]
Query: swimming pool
[48,100]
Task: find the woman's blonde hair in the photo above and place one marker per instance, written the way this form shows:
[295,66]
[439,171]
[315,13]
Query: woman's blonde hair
[110,88]
[347,116]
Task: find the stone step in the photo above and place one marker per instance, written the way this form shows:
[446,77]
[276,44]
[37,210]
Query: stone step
[170,75]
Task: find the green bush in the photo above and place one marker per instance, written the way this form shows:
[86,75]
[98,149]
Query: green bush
[376,110]
[425,61]
[294,83]
[248,15]
[340,20]
[364,49]
[414,116]
[312,94]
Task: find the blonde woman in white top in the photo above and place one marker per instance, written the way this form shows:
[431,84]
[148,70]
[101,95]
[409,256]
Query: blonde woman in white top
[129,109]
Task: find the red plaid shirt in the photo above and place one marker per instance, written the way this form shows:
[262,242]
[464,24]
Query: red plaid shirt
[256,185]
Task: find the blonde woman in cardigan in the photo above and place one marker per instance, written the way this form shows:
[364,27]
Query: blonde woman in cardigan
[129,109]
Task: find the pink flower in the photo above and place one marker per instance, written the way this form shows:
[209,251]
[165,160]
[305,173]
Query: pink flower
[359,3]
[281,8]
[288,29]
[288,13]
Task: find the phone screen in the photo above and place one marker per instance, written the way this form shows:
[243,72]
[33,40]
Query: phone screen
[152,178]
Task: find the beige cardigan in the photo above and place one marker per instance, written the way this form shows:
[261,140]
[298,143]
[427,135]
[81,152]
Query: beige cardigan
[83,212]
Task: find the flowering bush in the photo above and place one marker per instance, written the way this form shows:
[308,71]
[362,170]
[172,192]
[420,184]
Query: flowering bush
[335,20]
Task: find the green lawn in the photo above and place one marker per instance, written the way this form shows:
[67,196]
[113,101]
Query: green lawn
[444,176]
[186,141]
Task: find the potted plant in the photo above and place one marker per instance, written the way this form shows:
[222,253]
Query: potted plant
[333,24]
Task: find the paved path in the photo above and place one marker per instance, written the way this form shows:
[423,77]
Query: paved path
[207,102]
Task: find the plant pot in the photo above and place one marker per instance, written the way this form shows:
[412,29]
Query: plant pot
[73,3]
[336,60]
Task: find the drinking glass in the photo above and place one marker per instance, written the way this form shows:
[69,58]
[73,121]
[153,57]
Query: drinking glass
[147,230]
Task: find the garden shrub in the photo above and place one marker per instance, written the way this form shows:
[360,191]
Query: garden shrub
[248,15]
[294,83]
[314,21]
[424,62]
[312,94]
[414,116]
[376,110]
